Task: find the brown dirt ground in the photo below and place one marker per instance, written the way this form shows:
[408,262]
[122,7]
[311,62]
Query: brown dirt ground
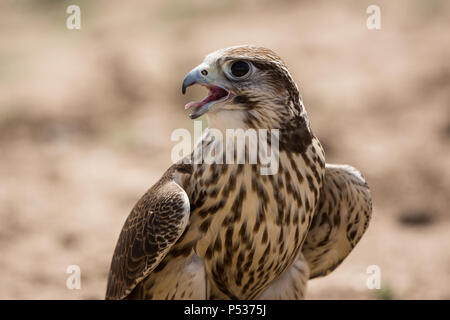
[86,117]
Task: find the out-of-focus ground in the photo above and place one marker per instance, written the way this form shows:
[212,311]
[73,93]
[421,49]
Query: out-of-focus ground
[86,118]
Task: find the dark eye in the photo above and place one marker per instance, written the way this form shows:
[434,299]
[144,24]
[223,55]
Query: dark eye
[240,68]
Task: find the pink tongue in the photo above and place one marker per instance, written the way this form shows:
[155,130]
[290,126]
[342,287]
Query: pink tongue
[213,94]
[193,104]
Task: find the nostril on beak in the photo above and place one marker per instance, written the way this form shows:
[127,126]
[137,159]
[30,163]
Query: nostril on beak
[193,77]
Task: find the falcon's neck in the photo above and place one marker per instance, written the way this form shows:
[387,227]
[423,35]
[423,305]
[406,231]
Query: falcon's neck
[256,118]
[228,119]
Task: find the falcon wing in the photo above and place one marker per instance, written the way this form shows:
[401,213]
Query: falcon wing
[153,226]
[341,218]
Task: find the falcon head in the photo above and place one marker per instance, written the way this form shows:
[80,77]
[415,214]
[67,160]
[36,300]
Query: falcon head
[248,83]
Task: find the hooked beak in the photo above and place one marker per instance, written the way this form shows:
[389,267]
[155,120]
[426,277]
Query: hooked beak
[203,75]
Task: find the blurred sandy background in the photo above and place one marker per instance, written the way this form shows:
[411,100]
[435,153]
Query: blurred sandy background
[86,117]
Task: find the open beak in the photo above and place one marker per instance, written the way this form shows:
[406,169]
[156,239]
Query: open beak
[202,75]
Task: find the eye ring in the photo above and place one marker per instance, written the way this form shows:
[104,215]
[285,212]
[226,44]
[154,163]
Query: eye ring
[239,69]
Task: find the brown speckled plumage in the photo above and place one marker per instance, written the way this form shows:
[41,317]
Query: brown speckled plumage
[224,231]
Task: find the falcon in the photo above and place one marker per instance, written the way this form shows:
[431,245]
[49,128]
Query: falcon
[226,231]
